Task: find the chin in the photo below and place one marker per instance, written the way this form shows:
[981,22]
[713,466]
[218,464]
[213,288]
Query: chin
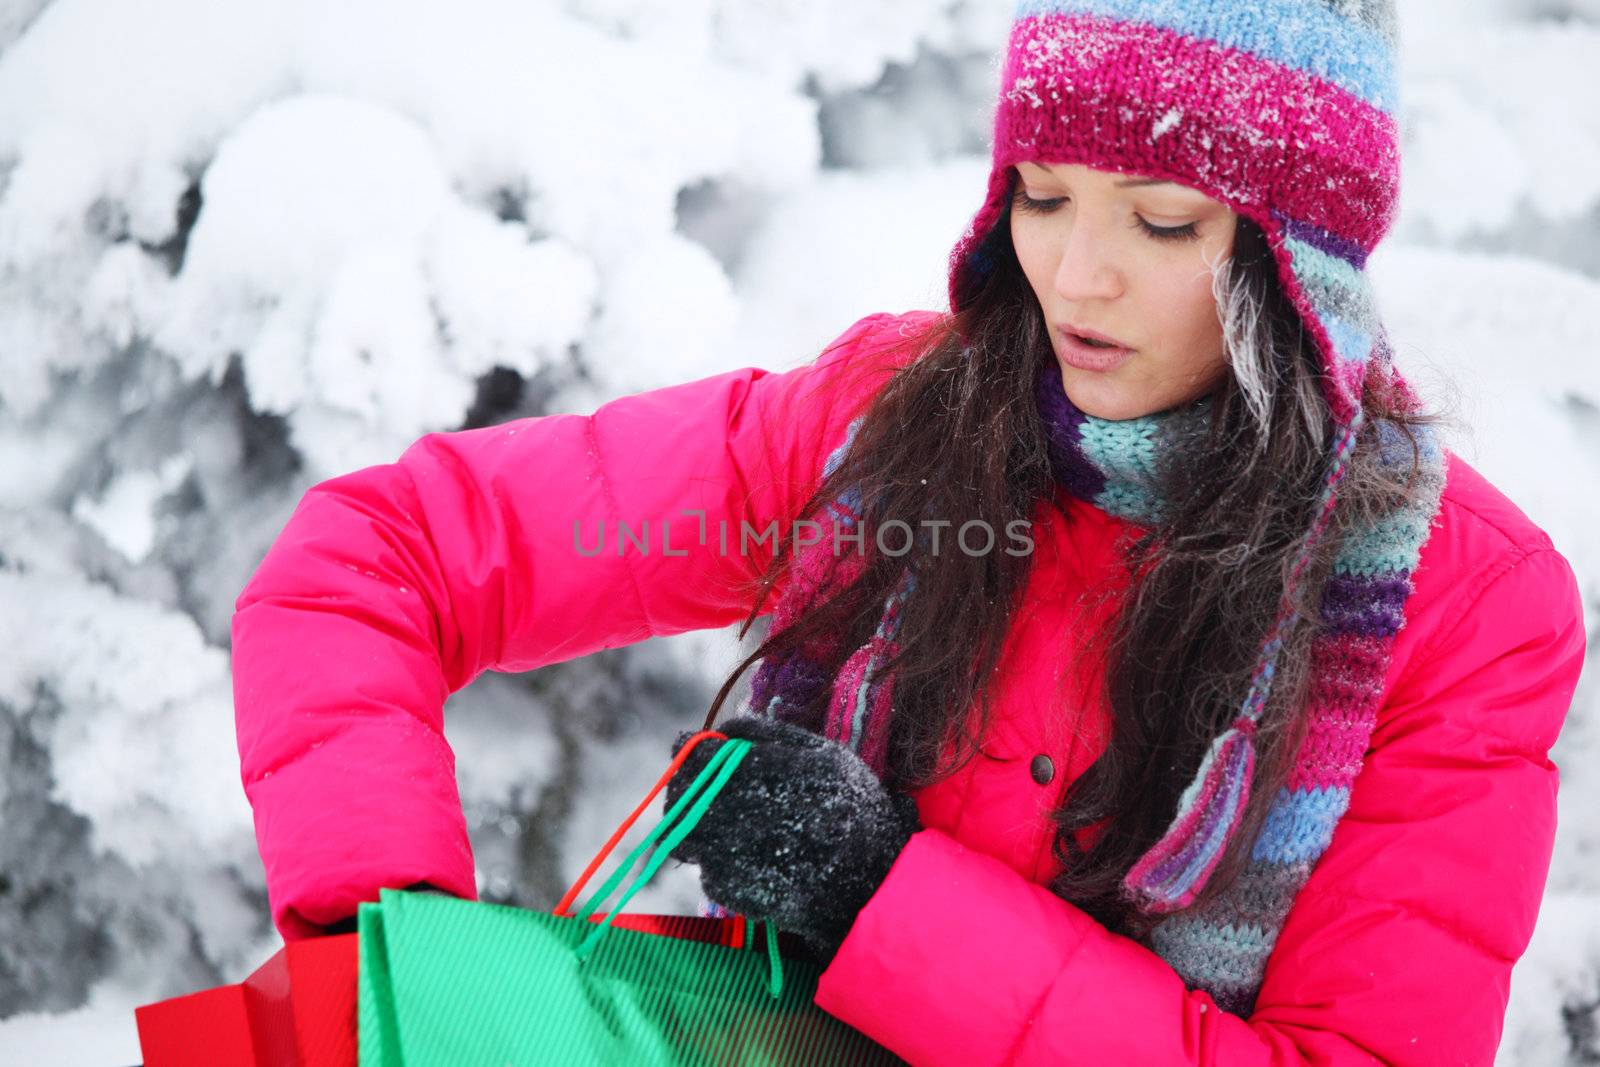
[1100,395]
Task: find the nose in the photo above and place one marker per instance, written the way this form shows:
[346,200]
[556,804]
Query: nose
[1087,270]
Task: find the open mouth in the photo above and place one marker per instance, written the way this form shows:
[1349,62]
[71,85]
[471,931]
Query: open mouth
[1092,343]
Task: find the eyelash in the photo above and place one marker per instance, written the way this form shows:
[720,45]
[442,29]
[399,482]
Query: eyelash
[1160,233]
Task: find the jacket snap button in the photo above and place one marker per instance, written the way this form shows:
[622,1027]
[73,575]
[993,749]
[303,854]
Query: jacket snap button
[1043,770]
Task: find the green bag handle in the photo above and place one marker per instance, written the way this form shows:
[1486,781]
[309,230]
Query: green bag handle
[688,811]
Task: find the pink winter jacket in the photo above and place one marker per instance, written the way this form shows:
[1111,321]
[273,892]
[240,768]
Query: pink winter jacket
[396,585]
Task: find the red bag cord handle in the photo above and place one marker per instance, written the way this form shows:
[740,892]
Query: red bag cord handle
[562,908]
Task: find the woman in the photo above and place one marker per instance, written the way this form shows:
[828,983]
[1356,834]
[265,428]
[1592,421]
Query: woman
[1220,715]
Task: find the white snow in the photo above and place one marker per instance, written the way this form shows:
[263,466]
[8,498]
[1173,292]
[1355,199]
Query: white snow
[125,513]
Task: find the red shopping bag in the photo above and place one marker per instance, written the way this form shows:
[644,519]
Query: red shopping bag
[298,1009]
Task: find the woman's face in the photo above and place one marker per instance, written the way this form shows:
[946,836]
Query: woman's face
[1129,258]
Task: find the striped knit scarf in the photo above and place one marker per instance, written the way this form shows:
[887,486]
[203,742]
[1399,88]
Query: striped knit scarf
[1113,464]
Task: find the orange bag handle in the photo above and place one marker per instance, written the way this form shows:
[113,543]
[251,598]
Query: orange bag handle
[563,907]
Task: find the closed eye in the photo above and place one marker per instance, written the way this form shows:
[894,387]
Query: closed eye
[1167,233]
[1036,207]
[1028,205]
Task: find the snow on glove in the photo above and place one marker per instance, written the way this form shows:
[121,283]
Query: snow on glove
[801,835]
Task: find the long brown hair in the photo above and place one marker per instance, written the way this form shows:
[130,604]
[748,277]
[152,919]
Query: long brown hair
[955,434]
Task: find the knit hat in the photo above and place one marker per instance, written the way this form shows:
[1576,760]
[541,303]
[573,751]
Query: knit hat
[1281,109]
[1285,111]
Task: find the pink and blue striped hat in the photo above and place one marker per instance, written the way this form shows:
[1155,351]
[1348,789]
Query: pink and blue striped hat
[1282,109]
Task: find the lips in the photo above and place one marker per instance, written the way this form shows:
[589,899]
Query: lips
[1076,352]
[1091,335]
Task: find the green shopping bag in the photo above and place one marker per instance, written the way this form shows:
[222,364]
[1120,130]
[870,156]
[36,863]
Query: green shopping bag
[445,982]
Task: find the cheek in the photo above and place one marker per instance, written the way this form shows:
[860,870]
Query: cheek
[1032,250]
[1182,303]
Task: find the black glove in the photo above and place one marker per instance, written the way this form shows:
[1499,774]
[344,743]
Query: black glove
[801,835]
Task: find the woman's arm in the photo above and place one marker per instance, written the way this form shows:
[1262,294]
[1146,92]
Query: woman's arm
[1398,950]
[392,587]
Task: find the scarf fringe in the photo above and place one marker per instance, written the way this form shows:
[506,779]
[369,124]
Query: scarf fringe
[859,712]
[1171,875]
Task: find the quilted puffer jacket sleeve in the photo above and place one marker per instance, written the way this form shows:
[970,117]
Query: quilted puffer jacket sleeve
[1398,950]
[391,587]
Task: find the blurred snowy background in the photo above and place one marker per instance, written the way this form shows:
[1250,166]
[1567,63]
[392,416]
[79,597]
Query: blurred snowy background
[246,246]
